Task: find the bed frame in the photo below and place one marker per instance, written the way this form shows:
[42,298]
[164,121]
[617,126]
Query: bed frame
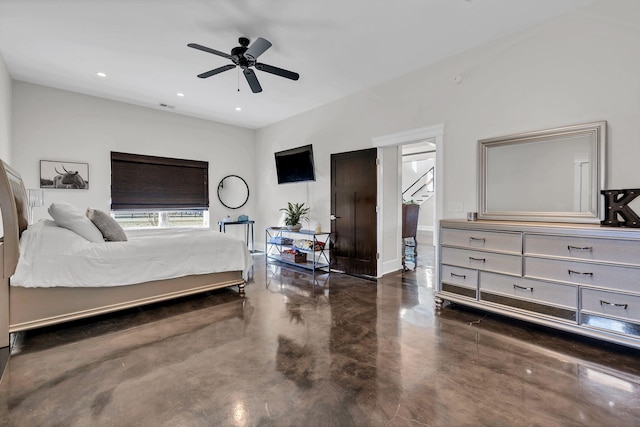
[27,308]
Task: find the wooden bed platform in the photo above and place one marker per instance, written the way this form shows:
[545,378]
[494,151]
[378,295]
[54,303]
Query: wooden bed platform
[27,308]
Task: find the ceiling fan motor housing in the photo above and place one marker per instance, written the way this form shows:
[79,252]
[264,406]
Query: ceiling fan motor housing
[238,58]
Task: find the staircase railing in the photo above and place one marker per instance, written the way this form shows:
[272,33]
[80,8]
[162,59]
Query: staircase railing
[416,182]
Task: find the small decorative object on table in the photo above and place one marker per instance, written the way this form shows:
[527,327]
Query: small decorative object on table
[295,212]
[617,212]
[293,255]
[243,218]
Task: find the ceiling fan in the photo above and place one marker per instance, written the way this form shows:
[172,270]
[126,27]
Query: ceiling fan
[244,56]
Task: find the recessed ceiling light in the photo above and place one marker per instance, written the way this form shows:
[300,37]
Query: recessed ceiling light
[180,94]
[101,74]
[238,109]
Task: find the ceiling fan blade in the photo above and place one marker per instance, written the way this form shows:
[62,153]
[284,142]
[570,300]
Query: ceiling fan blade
[216,71]
[208,49]
[254,84]
[257,48]
[277,71]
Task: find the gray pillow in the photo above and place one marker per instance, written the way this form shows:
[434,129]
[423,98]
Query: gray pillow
[109,227]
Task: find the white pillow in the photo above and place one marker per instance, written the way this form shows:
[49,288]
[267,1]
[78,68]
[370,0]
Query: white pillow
[68,216]
[109,227]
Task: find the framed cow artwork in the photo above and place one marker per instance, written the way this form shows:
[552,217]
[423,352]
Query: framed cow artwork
[64,175]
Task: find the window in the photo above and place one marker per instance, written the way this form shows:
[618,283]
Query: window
[149,191]
[161,219]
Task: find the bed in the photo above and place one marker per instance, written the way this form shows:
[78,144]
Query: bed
[26,306]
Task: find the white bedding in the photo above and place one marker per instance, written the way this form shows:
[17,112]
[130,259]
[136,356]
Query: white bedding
[54,256]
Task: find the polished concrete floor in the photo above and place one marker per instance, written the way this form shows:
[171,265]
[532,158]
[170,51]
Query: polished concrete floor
[326,351]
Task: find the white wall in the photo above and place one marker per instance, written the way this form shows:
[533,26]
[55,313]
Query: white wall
[427,217]
[5,112]
[52,124]
[581,68]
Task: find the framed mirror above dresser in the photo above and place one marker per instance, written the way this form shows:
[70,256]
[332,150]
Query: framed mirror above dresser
[552,175]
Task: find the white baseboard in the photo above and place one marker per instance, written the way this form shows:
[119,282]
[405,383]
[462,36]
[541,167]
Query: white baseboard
[426,227]
[390,266]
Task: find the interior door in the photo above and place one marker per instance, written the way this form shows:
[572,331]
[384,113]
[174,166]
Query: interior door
[353,212]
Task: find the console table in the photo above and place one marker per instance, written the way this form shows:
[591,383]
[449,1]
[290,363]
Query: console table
[319,253]
[248,232]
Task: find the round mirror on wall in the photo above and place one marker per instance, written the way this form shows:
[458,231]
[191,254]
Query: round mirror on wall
[233,192]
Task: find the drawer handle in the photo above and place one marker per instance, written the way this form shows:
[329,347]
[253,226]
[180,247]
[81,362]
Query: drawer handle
[524,288]
[461,276]
[580,248]
[602,302]
[477,239]
[577,272]
[477,259]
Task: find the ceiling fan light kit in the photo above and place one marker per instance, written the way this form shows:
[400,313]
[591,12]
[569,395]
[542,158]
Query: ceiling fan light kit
[245,57]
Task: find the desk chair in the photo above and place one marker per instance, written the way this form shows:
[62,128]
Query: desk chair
[410,214]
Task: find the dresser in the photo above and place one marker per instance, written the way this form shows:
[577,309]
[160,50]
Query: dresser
[579,278]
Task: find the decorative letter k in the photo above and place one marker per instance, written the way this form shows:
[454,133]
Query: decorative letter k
[615,206]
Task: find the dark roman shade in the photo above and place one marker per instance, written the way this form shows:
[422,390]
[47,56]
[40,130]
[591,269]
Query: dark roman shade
[158,183]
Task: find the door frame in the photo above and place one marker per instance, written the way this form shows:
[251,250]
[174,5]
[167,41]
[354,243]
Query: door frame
[434,133]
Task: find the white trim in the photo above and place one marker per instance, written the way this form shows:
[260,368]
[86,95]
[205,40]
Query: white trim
[426,227]
[379,204]
[390,266]
[435,133]
[412,135]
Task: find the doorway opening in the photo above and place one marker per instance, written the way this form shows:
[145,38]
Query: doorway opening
[418,193]
[390,199]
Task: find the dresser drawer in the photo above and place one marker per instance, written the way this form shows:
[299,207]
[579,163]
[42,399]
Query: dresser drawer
[583,273]
[534,290]
[611,304]
[584,248]
[459,276]
[487,261]
[488,240]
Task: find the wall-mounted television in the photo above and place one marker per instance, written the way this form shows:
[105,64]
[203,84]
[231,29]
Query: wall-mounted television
[295,165]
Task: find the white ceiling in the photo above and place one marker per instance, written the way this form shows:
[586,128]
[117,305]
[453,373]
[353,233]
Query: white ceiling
[339,47]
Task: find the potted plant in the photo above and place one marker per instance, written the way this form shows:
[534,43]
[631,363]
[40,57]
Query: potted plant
[295,212]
